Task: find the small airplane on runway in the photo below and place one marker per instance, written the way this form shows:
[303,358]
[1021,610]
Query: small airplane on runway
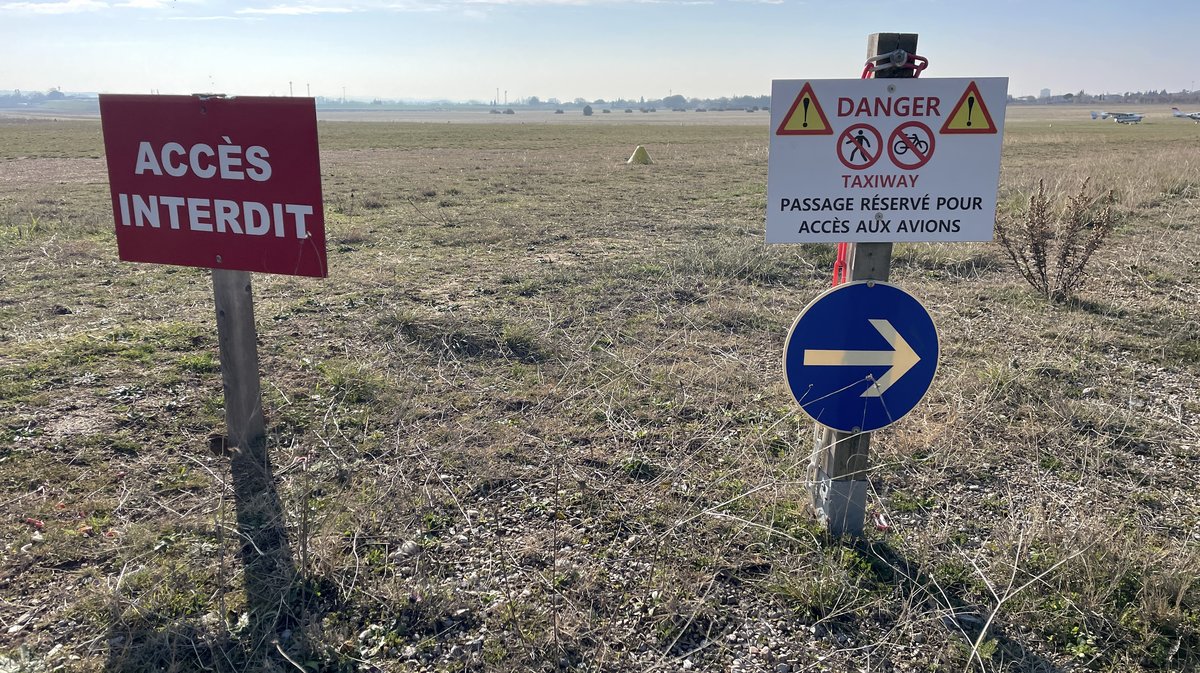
[1194,116]
[1120,117]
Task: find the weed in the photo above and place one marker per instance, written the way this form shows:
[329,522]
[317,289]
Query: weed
[352,383]
[641,469]
[903,502]
[1052,251]
[199,363]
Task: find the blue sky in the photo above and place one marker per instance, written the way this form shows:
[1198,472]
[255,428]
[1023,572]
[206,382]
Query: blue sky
[467,49]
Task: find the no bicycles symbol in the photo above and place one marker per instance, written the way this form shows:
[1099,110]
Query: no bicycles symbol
[910,145]
[858,147]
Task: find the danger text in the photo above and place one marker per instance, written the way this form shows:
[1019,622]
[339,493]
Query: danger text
[901,106]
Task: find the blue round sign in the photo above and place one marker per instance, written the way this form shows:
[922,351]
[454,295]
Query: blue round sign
[861,356]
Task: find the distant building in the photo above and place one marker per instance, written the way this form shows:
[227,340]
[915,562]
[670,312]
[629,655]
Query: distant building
[1045,93]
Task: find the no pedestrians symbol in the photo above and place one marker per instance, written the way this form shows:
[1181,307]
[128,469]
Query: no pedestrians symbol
[859,146]
[910,145]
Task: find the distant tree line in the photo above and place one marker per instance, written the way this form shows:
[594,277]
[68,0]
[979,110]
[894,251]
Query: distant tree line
[672,102]
[1150,97]
[17,99]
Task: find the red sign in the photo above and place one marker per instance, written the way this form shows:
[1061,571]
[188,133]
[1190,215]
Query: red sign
[223,183]
[911,145]
[855,149]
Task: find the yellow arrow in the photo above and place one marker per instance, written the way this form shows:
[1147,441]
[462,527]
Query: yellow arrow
[900,359]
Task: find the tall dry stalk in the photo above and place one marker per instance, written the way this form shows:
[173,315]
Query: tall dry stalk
[1052,250]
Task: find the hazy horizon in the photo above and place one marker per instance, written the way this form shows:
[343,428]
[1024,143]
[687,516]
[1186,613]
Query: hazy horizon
[480,50]
[372,101]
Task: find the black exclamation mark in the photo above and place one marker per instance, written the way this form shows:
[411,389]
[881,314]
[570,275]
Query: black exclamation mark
[970,108]
[805,102]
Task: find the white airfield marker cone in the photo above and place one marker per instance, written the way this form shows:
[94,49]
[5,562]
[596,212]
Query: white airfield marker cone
[640,156]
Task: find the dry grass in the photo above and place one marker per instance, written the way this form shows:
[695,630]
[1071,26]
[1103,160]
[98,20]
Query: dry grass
[1051,244]
[534,420]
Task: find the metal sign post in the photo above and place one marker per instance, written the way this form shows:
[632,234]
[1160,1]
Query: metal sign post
[838,473]
[857,359]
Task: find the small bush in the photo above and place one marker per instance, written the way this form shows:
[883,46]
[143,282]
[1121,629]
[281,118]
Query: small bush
[1051,249]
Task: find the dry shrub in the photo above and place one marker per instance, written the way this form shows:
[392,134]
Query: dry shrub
[1050,246]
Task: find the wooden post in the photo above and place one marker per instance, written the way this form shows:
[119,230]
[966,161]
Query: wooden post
[266,557]
[238,337]
[838,474]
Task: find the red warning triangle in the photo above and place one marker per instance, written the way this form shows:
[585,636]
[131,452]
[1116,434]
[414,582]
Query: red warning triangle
[970,114]
[805,118]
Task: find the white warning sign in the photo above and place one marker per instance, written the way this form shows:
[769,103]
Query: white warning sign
[884,160]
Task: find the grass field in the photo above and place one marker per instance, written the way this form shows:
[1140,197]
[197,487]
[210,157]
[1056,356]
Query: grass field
[535,420]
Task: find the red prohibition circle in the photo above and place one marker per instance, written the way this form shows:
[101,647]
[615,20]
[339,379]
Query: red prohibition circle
[848,144]
[901,145]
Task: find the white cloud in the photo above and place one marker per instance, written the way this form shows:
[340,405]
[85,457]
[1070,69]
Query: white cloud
[473,5]
[531,2]
[142,4]
[296,10]
[65,7]
[416,6]
[213,18]
[580,3]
